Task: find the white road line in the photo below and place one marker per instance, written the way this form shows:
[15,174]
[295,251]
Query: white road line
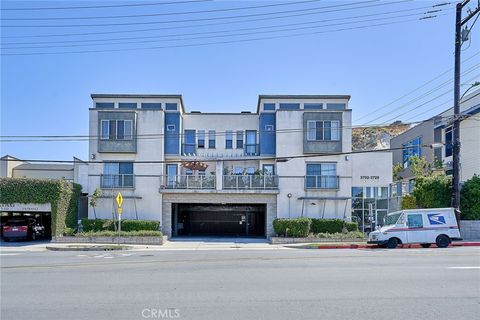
[464,267]
[9,254]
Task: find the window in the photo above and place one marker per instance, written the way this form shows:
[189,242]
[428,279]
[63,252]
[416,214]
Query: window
[240,139]
[323,130]
[189,142]
[105,105]
[312,106]
[188,172]
[448,142]
[250,170]
[289,106]
[127,105]
[336,106]
[269,106]
[269,127]
[238,170]
[251,143]
[211,139]
[201,172]
[151,105]
[229,139]
[415,221]
[170,127]
[268,169]
[411,149]
[116,130]
[117,175]
[171,175]
[171,106]
[321,176]
[357,192]
[201,139]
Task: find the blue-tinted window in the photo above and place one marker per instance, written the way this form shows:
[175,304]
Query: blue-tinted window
[269,106]
[289,106]
[412,149]
[448,142]
[336,106]
[229,139]
[150,105]
[211,139]
[312,106]
[127,105]
[105,105]
[321,176]
[189,141]
[171,106]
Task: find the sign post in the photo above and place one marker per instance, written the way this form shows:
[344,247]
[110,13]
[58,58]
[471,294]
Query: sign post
[120,210]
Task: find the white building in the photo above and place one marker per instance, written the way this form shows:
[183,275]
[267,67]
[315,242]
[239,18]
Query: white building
[228,173]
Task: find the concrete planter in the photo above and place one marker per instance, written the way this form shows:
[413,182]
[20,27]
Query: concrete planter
[114,240]
[288,240]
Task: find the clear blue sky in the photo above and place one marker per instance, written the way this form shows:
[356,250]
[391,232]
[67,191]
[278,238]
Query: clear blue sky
[50,94]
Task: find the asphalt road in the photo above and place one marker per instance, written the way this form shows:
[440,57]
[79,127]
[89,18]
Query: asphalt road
[242,284]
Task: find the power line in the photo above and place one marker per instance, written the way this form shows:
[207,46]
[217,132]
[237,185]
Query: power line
[104,6]
[163,13]
[208,43]
[211,18]
[213,36]
[214,32]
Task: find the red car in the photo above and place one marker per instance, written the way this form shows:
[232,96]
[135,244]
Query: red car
[23,228]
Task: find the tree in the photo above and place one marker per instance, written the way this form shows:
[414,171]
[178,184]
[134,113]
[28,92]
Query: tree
[94,199]
[470,199]
[433,191]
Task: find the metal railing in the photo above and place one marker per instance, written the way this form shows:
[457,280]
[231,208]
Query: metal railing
[110,181]
[262,182]
[322,182]
[188,182]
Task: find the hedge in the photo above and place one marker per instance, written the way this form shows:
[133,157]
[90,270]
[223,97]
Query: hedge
[141,233]
[127,225]
[299,227]
[61,194]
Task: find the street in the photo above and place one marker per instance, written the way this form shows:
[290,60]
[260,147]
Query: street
[242,284]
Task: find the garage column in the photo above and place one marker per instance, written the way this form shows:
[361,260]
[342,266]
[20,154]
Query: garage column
[219,175]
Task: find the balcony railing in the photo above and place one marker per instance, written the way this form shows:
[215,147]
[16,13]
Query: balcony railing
[111,181]
[322,182]
[251,149]
[188,182]
[262,182]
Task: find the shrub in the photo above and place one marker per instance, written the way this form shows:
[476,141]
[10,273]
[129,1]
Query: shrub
[339,235]
[470,199]
[299,227]
[331,226]
[409,202]
[69,232]
[433,192]
[143,233]
[127,225]
[351,226]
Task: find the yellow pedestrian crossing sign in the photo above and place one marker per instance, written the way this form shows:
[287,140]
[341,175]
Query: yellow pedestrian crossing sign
[119,199]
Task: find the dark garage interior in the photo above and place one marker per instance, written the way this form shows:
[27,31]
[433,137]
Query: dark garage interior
[43,219]
[241,220]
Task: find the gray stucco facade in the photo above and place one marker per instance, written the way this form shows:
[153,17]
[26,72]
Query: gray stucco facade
[117,145]
[322,146]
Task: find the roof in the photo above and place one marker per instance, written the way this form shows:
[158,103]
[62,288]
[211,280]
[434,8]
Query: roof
[139,96]
[299,96]
[44,166]
[9,157]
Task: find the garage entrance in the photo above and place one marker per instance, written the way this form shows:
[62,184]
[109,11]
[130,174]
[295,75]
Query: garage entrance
[31,221]
[242,220]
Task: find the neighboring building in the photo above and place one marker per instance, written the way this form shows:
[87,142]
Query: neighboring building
[228,173]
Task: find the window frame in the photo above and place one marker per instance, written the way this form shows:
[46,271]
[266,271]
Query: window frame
[201,137]
[240,134]
[229,139]
[211,142]
[323,130]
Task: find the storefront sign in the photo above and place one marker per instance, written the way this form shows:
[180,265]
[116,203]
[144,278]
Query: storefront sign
[26,207]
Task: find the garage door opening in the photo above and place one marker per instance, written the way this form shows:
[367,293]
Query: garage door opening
[241,220]
[25,226]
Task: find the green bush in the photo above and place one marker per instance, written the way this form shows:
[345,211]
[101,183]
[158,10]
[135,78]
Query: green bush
[331,226]
[339,235]
[351,226]
[142,233]
[69,232]
[409,202]
[299,227]
[470,199]
[433,192]
[127,225]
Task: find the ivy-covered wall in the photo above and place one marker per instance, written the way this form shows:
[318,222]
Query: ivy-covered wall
[62,195]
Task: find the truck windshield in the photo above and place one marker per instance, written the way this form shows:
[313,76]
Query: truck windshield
[392,219]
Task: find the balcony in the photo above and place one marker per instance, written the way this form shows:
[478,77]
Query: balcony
[117,181]
[322,182]
[252,149]
[259,182]
[188,182]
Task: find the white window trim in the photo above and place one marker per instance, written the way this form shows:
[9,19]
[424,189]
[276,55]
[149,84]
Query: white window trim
[337,129]
[169,126]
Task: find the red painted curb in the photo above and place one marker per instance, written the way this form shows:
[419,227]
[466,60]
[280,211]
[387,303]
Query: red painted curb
[406,246]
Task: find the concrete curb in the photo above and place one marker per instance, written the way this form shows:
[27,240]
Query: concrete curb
[373,246]
[88,248]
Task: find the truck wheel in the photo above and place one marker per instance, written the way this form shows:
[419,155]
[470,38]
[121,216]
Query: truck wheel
[425,245]
[442,241]
[392,243]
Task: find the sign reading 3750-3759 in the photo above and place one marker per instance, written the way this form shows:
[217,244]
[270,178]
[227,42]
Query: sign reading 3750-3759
[370,177]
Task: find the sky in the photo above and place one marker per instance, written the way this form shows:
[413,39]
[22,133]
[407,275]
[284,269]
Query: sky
[377,58]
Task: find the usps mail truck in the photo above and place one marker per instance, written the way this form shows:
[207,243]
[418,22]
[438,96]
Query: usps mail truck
[422,226]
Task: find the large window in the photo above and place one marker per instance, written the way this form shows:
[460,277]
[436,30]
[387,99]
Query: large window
[251,143]
[289,106]
[448,142]
[211,139]
[116,130]
[411,149]
[240,139]
[323,130]
[201,139]
[117,175]
[189,142]
[229,139]
[321,176]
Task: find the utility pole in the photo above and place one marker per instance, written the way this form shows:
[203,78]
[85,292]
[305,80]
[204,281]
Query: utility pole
[456,104]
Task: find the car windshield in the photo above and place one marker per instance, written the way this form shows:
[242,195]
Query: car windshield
[392,219]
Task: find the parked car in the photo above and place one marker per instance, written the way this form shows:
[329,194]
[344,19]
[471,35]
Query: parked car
[421,226]
[23,228]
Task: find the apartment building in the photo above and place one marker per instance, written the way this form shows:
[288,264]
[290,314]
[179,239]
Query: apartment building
[228,173]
